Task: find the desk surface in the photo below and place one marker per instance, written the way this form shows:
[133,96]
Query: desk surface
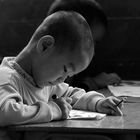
[129,123]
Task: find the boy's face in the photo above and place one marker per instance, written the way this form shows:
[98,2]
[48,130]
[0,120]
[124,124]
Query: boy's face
[57,67]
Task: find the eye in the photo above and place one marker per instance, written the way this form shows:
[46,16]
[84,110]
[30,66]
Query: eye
[65,69]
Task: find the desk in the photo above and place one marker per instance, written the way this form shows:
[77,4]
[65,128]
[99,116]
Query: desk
[127,126]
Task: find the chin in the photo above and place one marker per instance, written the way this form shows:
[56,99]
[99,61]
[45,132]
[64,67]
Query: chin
[41,85]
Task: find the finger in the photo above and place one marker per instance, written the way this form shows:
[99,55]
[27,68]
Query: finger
[106,110]
[110,107]
[115,81]
[122,104]
[115,110]
[65,116]
[115,78]
[66,113]
[120,101]
[112,100]
[110,111]
[69,107]
[119,80]
[69,100]
[115,75]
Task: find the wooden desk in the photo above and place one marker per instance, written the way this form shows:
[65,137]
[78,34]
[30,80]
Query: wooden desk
[127,126]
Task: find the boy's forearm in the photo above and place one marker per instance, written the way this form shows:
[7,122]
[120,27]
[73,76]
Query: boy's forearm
[13,112]
[88,101]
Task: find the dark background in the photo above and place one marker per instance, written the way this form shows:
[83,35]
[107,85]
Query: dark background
[119,51]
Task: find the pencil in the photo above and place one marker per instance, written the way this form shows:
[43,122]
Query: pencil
[120,102]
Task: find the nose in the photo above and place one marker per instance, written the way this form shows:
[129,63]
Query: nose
[64,77]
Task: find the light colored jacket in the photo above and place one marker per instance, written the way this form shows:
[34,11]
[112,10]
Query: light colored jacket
[22,102]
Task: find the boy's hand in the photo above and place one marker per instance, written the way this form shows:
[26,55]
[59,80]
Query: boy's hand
[104,79]
[64,104]
[109,106]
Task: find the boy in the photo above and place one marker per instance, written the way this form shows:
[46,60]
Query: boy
[93,13]
[32,88]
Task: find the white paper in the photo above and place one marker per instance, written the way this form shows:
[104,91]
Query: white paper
[126,88]
[80,114]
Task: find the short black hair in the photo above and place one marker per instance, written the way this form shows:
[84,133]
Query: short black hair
[64,27]
[89,9]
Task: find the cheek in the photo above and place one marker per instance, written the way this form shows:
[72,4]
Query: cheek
[51,75]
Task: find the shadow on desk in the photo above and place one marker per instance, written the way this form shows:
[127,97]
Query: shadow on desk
[56,136]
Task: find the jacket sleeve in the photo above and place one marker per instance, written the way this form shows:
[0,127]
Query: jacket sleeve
[80,98]
[14,111]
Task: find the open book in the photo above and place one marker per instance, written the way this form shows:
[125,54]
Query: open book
[129,89]
[88,115]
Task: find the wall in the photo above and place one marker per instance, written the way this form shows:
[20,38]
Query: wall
[121,45]
[18,20]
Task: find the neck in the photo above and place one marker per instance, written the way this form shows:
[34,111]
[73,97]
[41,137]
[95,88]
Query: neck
[24,60]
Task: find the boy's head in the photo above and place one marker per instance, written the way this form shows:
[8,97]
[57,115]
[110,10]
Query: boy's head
[60,47]
[89,9]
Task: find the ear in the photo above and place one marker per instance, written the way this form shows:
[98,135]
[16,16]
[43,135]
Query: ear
[45,43]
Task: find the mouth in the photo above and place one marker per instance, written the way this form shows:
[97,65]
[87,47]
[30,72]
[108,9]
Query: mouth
[55,82]
[51,83]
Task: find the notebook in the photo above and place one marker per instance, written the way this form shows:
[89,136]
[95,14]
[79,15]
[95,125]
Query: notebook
[129,89]
[88,115]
